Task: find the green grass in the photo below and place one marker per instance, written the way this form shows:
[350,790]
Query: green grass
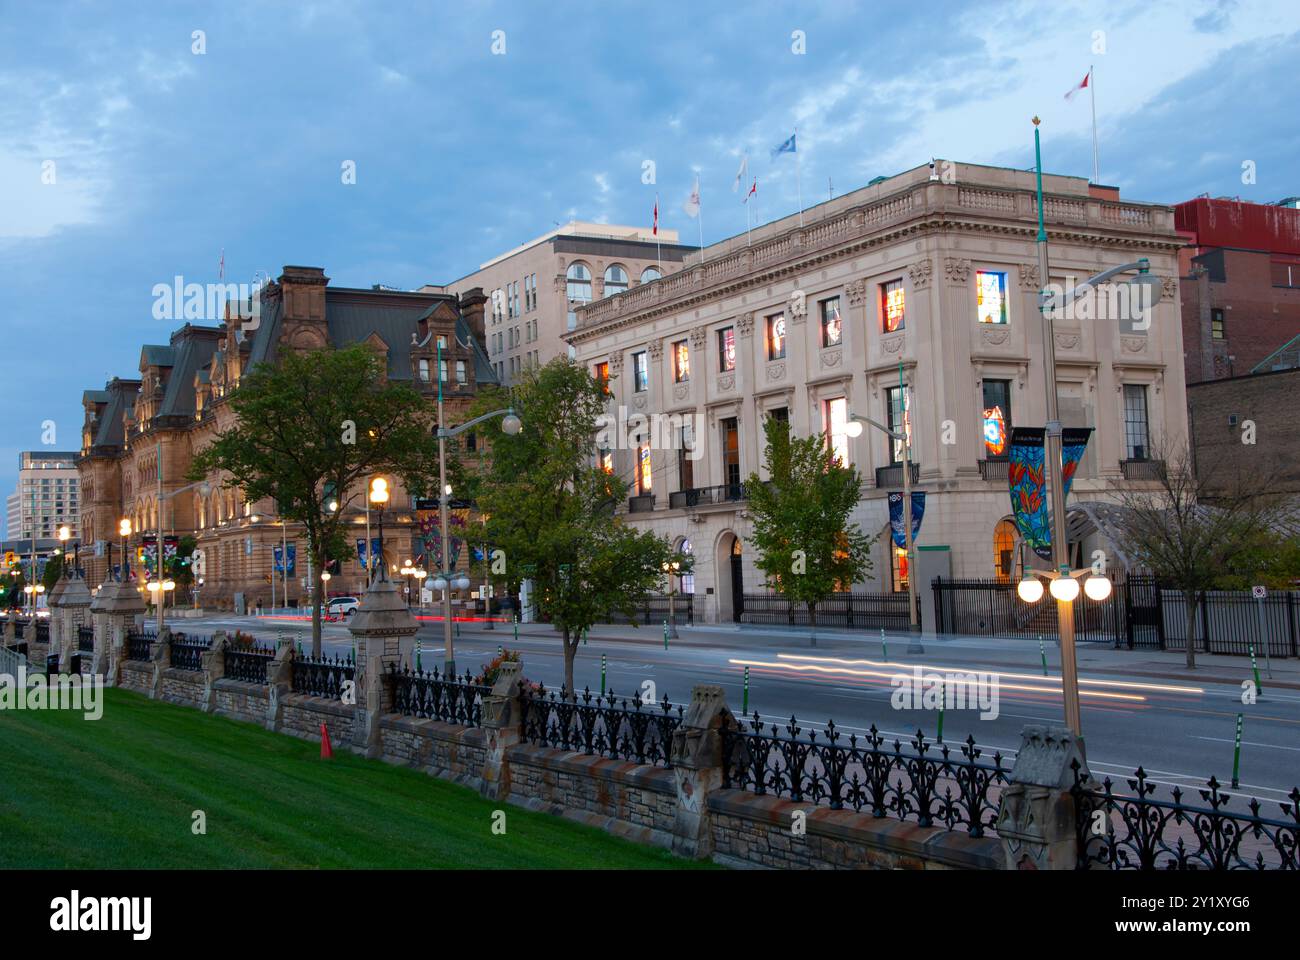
[119,792]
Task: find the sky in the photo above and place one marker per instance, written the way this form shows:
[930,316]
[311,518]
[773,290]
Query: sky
[141,141]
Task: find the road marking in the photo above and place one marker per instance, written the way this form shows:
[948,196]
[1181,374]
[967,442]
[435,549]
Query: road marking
[1249,743]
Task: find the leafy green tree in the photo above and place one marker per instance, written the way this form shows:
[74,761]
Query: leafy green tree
[1272,558]
[802,534]
[549,506]
[53,570]
[316,418]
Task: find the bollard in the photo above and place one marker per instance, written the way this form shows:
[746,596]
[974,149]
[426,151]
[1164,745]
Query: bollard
[602,674]
[500,651]
[884,646]
[516,629]
[744,706]
[1236,757]
[1042,654]
[665,634]
[1254,665]
[418,667]
[942,698]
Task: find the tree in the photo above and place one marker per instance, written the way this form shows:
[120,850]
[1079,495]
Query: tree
[317,418]
[53,570]
[1188,529]
[804,540]
[1271,558]
[549,506]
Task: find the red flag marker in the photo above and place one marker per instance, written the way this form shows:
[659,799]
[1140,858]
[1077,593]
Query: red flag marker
[326,751]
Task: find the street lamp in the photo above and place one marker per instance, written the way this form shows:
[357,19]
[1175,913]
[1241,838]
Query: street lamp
[378,496]
[1064,585]
[64,534]
[124,530]
[671,567]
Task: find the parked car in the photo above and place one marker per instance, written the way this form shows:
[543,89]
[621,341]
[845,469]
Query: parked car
[341,606]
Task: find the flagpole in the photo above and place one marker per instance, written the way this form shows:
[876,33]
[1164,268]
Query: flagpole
[658,252]
[1092,92]
[798,174]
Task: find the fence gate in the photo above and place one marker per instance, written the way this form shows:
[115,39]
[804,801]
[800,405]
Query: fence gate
[1146,623]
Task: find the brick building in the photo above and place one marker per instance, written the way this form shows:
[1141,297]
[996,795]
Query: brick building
[140,435]
[1240,285]
[1225,416]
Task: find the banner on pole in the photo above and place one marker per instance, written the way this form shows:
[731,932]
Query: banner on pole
[896,517]
[1027,479]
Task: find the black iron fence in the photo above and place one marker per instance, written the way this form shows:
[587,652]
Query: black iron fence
[1232,622]
[654,610]
[603,725]
[138,645]
[323,676]
[916,783]
[247,663]
[85,640]
[42,631]
[20,628]
[434,696]
[1141,831]
[187,652]
[865,611]
[992,608]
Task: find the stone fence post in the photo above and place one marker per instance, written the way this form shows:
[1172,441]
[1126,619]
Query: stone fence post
[10,638]
[279,683]
[214,668]
[118,603]
[1037,821]
[74,610]
[160,655]
[502,719]
[697,768]
[384,631]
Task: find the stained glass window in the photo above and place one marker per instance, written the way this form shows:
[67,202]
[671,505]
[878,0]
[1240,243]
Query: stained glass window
[640,371]
[832,327]
[727,349]
[643,470]
[997,417]
[835,416]
[891,305]
[991,296]
[681,361]
[776,337]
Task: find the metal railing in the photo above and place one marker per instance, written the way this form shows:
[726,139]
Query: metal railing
[654,610]
[892,476]
[85,640]
[42,631]
[433,696]
[139,646]
[247,663]
[322,677]
[1140,831]
[992,608]
[917,783]
[868,611]
[994,469]
[642,503]
[707,496]
[187,652]
[602,725]
[1142,469]
[12,659]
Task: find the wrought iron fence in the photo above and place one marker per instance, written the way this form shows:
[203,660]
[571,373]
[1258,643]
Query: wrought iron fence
[603,725]
[85,640]
[433,696]
[187,652]
[13,658]
[247,663]
[1232,622]
[20,626]
[138,645]
[654,610]
[992,608]
[322,677]
[867,611]
[1139,831]
[918,783]
[42,631]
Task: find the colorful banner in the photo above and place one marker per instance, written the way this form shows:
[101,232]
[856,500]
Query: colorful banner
[1026,476]
[896,517]
[293,559]
[361,552]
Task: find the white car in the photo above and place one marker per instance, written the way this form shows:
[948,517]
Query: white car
[342,606]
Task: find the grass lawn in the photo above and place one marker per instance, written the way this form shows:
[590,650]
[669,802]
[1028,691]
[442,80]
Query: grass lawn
[120,792]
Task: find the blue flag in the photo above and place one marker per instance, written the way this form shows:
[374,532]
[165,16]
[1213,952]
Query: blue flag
[896,528]
[787,147]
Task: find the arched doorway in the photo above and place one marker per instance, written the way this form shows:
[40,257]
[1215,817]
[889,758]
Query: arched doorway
[1004,550]
[730,578]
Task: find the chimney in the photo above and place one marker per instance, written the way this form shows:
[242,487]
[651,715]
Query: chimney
[302,291]
[472,308]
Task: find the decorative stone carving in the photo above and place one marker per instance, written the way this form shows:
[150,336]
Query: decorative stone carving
[727,381]
[892,345]
[745,324]
[1036,819]
[696,754]
[699,337]
[639,401]
[1169,288]
[1067,341]
[831,358]
[921,273]
[656,349]
[796,308]
[857,293]
[956,270]
[616,364]
[681,391]
[1029,277]
[1133,344]
[995,335]
[776,371]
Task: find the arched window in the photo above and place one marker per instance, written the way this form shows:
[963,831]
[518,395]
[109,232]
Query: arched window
[650,273]
[687,579]
[615,280]
[1004,550]
[579,283]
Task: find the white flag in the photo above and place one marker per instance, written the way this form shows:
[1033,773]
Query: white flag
[740,174]
[692,204]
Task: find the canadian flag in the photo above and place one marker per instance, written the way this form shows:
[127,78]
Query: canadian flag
[752,191]
[655,230]
[1082,85]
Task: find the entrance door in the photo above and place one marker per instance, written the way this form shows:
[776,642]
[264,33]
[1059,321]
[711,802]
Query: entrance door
[737,581]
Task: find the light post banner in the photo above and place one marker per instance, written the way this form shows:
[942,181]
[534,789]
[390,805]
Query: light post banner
[362,556]
[1026,477]
[279,559]
[896,517]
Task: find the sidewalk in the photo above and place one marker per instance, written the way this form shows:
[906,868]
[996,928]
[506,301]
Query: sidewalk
[1010,652]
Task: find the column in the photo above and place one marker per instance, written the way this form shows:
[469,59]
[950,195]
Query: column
[1037,821]
[385,636]
[697,768]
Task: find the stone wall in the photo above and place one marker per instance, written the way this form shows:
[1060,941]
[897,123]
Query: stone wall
[184,687]
[446,750]
[137,675]
[302,716]
[240,701]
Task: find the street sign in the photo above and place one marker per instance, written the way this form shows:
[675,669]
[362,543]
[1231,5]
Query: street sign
[1259,592]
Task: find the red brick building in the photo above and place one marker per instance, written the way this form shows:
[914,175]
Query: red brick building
[1240,285]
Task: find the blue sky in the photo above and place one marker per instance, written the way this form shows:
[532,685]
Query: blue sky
[164,157]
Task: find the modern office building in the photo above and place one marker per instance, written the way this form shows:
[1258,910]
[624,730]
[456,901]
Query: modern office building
[47,496]
[811,319]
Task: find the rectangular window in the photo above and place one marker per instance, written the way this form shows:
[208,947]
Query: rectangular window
[602,374]
[780,413]
[899,421]
[1216,323]
[1137,437]
[832,325]
[997,418]
[644,471]
[460,371]
[731,452]
[727,349]
[442,370]
[681,362]
[776,337]
[685,465]
[424,370]
[607,461]
[835,421]
[898,569]
[891,306]
[991,296]
[641,371]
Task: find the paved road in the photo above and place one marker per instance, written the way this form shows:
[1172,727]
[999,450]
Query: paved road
[1139,708]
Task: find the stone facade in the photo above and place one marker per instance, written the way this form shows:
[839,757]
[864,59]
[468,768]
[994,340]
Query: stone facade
[821,316]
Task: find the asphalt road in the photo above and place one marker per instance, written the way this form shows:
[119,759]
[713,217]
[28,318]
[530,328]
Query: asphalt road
[1180,731]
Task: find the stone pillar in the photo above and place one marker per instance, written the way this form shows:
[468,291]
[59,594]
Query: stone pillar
[119,604]
[385,635]
[54,600]
[503,714]
[279,683]
[160,656]
[10,639]
[697,767]
[1036,821]
[214,668]
[75,607]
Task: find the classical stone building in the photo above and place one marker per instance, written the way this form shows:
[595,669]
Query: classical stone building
[810,323]
[140,435]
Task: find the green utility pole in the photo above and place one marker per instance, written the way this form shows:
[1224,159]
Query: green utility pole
[1236,757]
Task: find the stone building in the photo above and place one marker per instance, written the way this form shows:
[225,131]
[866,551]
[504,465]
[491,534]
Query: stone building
[140,435]
[810,323]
